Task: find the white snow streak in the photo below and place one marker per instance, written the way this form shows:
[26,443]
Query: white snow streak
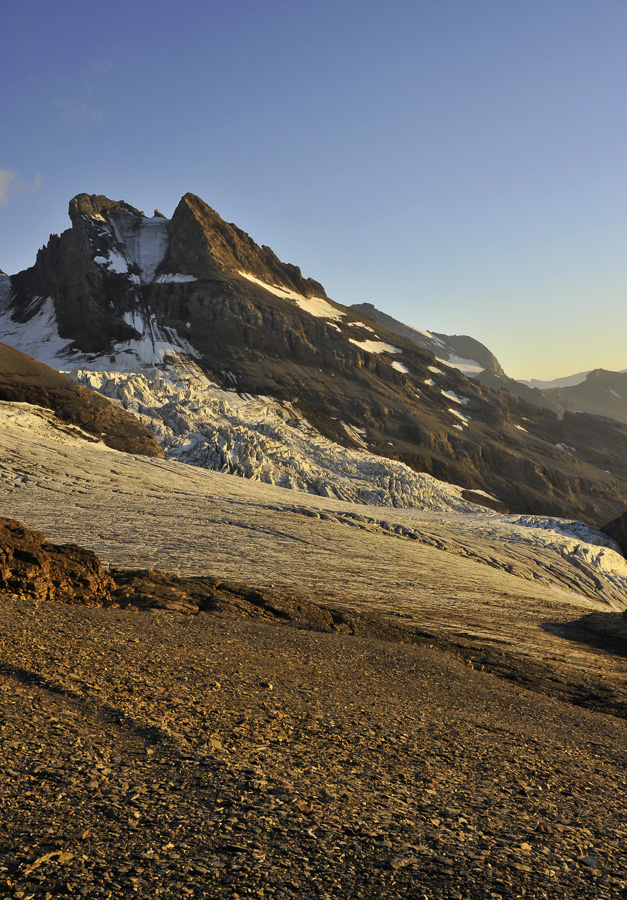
[375,346]
[176,278]
[454,397]
[315,306]
[469,367]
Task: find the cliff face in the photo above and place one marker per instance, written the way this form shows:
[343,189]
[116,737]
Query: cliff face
[126,291]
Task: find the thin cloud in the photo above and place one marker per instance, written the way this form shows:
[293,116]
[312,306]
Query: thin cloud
[103,66]
[71,111]
[11,185]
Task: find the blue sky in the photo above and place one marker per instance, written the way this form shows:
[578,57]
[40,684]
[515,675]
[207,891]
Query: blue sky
[458,163]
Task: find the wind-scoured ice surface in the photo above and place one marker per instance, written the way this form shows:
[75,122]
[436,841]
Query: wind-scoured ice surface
[264,440]
[461,567]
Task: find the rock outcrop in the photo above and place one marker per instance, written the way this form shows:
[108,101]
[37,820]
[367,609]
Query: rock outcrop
[31,566]
[206,246]
[25,380]
[617,530]
[455,349]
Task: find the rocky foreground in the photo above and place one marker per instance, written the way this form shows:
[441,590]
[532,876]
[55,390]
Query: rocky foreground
[257,744]
[150,754]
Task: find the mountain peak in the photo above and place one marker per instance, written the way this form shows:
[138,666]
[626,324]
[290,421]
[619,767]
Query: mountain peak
[204,244]
[97,206]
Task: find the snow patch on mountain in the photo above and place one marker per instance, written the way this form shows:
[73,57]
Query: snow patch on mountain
[145,241]
[464,419]
[427,334]
[154,345]
[469,367]
[114,262]
[318,307]
[174,278]
[315,306]
[360,325]
[451,395]
[39,337]
[375,346]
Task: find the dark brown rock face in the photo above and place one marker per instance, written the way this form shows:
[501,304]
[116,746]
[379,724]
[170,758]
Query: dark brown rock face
[93,206]
[617,530]
[208,247]
[24,380]
[30,565]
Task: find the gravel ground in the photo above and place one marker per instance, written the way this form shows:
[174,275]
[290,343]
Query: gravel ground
[149,754]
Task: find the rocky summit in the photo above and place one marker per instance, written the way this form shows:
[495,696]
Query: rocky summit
[121,291]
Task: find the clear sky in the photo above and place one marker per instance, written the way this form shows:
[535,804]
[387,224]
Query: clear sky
[461,164]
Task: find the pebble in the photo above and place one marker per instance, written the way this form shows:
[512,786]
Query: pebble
[362,769]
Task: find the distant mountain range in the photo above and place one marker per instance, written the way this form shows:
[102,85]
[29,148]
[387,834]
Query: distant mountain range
[175,309]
